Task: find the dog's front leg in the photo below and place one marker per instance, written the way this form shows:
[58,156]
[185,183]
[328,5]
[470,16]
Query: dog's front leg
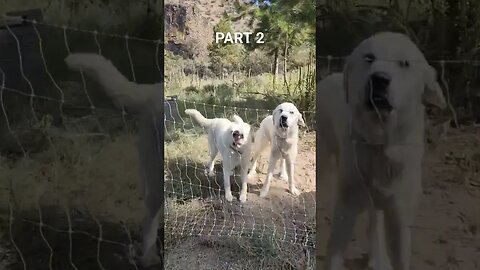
[377,253]
[268,180]
[227,172]
[350,203]
[399,216]
[284,173]
[398,238]
[253,165]
[398,220]
[290,164]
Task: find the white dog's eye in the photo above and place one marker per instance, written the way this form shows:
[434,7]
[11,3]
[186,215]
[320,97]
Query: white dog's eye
[369,58]
[292,112]
[280,110]
[404,63]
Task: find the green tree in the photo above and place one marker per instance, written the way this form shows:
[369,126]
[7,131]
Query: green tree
[285,23]
[225,56]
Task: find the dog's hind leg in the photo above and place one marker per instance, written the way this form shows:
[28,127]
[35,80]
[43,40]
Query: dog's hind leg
[213,152]
[259,146]
[150,228]
[153,197]
[253,167]
[150,150]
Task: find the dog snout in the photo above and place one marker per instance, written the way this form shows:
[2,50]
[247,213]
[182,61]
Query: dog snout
[377,91]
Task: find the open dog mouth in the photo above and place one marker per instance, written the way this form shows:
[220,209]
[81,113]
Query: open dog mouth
[381,103]
[236,144]
[376,97]
[283,123]
[237,139]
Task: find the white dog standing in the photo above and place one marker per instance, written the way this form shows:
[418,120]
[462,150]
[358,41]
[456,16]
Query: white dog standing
[280,131]
[233,141]
[371,119]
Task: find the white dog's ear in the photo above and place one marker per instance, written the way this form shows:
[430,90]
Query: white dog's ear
[433,92]
[346,71]
[237,119]
[301,122]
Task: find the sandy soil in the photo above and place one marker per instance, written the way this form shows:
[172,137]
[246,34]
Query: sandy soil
[292,217]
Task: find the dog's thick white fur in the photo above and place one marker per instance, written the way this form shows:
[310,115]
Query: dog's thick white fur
[234,142]
[280,131]
[371,125]
[147,100]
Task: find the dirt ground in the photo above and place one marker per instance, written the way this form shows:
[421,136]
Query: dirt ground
[446,232]
[292,219]
[91,212]
[77,206]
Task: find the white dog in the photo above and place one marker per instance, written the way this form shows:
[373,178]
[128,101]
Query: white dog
[280,131]
[371,120]
[233,141]
[146,99]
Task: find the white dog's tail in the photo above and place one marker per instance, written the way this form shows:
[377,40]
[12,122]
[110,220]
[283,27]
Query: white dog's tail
[123,92]
[202,121]
[237,119]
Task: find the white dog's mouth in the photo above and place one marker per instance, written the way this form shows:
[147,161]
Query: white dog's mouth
[237,144]
[238,139]
[283,123]
[376,97]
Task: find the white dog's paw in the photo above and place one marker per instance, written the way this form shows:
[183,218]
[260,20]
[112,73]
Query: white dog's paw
[294,191]
[229,197]
[243,197]
[263,193]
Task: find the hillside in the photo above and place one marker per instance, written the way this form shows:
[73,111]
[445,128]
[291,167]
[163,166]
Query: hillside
[190,23]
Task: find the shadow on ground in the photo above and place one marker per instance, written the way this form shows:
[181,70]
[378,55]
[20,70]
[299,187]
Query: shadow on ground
[87,244]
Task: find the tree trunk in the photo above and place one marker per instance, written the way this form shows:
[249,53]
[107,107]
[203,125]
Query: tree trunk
[285,58]
[275,67]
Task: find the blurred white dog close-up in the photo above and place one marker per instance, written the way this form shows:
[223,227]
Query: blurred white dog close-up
[370,137]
